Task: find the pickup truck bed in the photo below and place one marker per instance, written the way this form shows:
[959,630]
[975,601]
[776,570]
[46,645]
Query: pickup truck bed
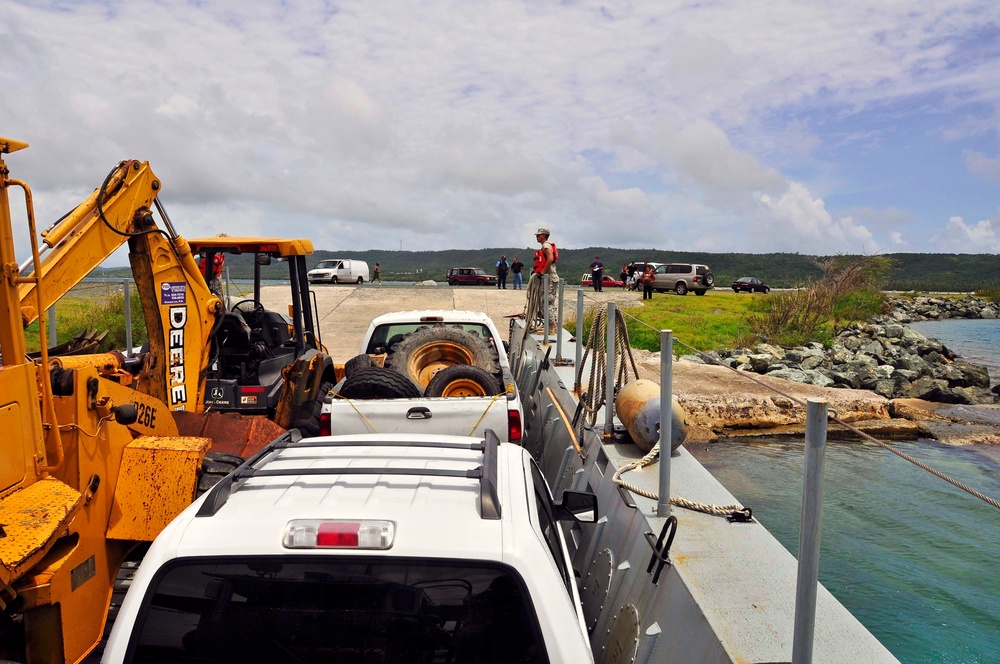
[421,345]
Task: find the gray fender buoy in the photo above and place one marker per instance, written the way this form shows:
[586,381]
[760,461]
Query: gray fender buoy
[638,408]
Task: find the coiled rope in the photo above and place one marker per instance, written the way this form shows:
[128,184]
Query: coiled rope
[596,395]
[536,295]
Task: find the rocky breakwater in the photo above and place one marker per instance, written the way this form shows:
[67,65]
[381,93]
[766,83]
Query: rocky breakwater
[907,310]
[883,356]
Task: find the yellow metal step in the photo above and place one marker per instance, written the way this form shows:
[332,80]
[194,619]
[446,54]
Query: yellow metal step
[30,519]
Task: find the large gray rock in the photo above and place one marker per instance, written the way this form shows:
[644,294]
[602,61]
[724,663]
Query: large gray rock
[761,361]
[973,375]
[818,378]
[926,388]
[785,373]
[813,360]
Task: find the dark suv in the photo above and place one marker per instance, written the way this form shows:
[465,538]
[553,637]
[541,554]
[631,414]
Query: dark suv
[474,276]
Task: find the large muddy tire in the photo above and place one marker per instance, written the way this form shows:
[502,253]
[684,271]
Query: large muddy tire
[378,383]
[307,415]
[216,466]
[463,381]
[357,363]
[425,352]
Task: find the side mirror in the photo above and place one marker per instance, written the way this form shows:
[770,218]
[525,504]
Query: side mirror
[580,506]
[262,259]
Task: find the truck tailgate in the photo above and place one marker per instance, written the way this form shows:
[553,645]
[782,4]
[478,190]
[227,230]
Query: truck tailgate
[460,416]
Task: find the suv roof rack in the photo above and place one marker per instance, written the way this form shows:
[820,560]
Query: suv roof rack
[489,499]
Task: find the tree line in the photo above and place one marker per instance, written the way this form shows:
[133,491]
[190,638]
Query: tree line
[906,272]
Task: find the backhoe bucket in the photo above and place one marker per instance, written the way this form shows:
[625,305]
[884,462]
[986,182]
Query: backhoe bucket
[231,433]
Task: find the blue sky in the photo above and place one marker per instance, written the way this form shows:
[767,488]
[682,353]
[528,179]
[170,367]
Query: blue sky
[864,127]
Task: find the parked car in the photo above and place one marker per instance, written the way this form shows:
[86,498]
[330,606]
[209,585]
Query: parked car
[606,281]
[750,285]
[474,276]
[683,277]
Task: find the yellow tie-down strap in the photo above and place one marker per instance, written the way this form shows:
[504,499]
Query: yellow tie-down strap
[157,480]
[30,519]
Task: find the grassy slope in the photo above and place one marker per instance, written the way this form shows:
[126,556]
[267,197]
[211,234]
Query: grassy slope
[712,321]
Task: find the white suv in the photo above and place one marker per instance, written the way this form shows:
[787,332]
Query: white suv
[362,549]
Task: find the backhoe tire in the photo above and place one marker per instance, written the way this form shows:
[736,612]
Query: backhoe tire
[307,415]
[357,363]
[463,381]
[427,351]
[214,467]
[378,383]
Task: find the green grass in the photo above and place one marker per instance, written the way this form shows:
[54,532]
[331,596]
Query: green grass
[713,321]
[100,313]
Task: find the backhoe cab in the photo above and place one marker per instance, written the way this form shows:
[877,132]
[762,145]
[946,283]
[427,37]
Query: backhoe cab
[267,362]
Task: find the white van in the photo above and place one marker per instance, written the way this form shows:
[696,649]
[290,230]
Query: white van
[340,271]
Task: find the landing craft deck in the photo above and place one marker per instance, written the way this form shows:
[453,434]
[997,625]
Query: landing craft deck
[728,594]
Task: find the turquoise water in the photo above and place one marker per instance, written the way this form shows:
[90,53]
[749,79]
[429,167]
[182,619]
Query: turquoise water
[913,558]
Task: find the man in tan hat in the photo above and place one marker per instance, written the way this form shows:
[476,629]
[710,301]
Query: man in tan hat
[546,258]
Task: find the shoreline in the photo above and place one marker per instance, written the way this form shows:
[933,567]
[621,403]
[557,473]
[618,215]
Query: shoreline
[719,401]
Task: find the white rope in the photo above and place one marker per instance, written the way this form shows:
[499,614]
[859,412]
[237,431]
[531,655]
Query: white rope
[653,457]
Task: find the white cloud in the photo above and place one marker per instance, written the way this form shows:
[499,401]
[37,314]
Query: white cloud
[980,164]
[959,237]
[796,218]
[679,125]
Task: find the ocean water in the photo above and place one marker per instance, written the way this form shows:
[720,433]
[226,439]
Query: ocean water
[912,557]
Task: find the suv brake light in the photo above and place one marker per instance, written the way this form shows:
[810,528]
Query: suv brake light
[336,534]
[513,425]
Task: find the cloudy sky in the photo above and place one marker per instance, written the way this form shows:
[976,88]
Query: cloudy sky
[798,126]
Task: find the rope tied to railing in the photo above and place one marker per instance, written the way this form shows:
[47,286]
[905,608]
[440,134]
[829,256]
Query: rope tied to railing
[651,458]
[596,396]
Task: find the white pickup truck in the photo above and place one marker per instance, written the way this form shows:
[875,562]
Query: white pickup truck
[427,371]
[364,548]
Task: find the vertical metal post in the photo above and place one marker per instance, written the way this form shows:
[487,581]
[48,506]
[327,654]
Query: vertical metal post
[807,583]
[545,308]
[666,418]
[579,330]
[52,326]
[128,317]
[609,382]
[559,319]
[226,303]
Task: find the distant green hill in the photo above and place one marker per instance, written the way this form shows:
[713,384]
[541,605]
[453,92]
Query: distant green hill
[932,272]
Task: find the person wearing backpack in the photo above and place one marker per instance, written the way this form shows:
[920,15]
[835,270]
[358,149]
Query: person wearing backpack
[546,257]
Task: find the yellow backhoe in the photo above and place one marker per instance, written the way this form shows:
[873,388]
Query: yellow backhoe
[93,457]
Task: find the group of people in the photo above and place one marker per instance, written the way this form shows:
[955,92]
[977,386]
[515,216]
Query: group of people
[514,267]
[635,277]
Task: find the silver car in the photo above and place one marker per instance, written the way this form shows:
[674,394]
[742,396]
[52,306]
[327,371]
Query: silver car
[683,277]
